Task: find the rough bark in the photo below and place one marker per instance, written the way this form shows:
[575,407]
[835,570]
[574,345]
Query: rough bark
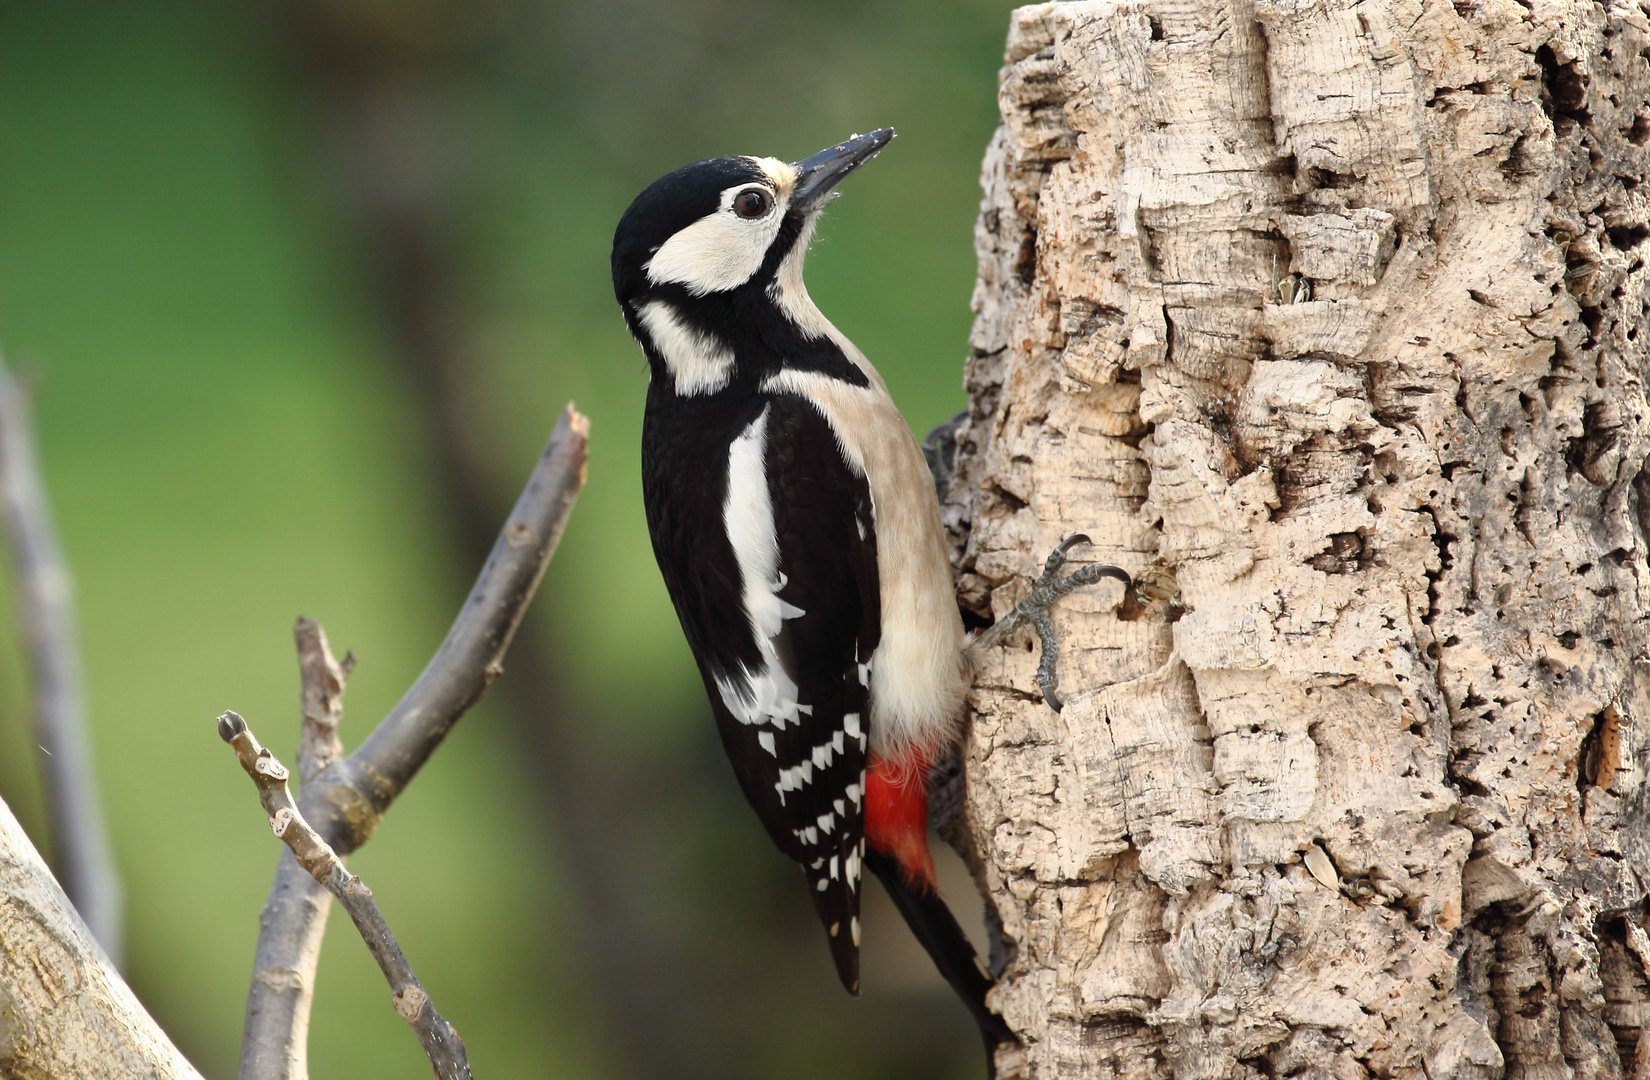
[1335,314]
[65,1012]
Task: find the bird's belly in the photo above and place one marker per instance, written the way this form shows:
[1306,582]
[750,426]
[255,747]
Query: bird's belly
[917,672]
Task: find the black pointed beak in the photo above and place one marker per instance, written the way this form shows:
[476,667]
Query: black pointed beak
[817,175]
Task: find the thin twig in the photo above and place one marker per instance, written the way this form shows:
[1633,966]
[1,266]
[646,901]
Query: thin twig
[322,679]
[441,1043]
[45,592]
[472,655]
[346,799]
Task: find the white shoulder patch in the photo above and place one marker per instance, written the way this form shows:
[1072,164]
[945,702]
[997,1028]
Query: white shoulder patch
[699,363]
[766,694]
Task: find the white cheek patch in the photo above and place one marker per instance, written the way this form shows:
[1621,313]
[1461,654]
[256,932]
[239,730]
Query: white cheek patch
[720,251]
[697,361]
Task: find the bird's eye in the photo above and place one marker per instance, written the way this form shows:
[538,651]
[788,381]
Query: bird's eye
[752,203]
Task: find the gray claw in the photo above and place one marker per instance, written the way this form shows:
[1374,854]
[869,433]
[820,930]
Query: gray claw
[940,450]
[1048,679]
[1057,557]
[1035,607]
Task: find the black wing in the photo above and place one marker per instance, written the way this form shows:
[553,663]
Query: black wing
[791,697]
[826,539]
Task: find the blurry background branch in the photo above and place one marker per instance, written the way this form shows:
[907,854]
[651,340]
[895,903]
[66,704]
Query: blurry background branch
[441,1043]
[45,608]
[346,799]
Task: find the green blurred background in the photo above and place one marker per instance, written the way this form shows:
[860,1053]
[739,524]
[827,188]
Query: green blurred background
[302,287]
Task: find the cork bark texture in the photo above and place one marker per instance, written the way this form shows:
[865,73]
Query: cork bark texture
[65,1012]
[1334,315]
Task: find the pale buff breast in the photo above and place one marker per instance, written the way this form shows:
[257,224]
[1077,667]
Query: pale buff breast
[918,677]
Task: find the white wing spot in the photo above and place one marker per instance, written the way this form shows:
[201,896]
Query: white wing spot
[833,868]
[824,884]
[840,806]
[826,822]
[764,739]
[850,724]
[853,793]
[853,925]
[768,693]
[811,835]
[793,778]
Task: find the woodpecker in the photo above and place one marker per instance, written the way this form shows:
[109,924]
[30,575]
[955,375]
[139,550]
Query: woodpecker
[796,526]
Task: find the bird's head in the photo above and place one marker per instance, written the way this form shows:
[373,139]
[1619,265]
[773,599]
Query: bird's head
[727,229]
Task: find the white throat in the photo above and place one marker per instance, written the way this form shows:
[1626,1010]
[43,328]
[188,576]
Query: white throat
[790,294]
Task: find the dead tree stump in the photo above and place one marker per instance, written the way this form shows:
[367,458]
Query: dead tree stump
[1334,313]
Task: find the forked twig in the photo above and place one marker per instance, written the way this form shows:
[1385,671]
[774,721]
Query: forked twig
[344,797]
[441,1043]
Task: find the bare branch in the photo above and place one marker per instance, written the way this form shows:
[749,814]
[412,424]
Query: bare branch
[441,1043]
[45,592]
[345,800]
[64,1009]
[473,653]
[323,698]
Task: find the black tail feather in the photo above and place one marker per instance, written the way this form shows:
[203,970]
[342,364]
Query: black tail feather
[838,907]
[934,925]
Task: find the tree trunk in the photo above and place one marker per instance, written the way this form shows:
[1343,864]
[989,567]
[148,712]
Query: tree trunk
[1334,314]
[65,1012]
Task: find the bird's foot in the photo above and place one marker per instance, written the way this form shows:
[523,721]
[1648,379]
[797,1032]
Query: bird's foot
[1034,609]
